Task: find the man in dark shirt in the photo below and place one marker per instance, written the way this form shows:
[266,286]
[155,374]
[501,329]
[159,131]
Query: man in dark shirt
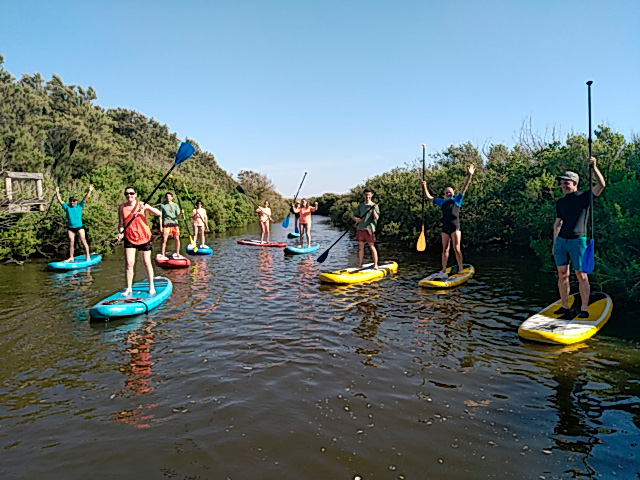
[570,235]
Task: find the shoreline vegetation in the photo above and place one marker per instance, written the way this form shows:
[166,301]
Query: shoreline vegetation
[511,201]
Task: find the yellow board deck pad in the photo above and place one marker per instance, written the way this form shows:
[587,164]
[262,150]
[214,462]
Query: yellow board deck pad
[454,279]
[358,275]
[547,327]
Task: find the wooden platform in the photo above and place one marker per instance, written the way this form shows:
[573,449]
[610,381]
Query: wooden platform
[22,205]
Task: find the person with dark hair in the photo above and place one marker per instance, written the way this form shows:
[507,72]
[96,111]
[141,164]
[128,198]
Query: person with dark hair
[169,223]
[451,233]
[366,216]
[74,222]
[570,235]
[303,213]
[264,215]
[137,236]
[200,221]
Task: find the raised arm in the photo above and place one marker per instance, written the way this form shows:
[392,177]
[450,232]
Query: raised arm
[600,183]
[427,195]
[315,207]
[86,197]
[467,180]
[58,195]
[294,208]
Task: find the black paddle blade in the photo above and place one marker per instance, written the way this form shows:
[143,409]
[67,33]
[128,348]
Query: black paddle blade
[72,146]
[240,189]
[323,257]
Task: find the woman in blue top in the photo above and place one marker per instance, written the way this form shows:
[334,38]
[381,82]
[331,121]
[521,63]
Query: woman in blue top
[74,222]
[450,206]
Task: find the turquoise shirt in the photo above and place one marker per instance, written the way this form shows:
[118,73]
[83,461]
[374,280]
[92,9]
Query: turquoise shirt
[74,214]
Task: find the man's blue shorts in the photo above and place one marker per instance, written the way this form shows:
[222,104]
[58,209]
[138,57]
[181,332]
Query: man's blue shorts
[569,249]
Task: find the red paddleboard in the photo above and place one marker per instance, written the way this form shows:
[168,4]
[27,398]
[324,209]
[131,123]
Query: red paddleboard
[256,243]
[171,262]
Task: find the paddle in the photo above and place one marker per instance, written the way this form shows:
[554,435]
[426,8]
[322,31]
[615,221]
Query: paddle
[193,242]
[72,147]
[184,152]
[241,190]
[195,207]
[422,243]
[588,259]
[325,254]
[285,224]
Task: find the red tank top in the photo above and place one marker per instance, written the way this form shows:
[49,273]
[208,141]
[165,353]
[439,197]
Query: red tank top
[138,233]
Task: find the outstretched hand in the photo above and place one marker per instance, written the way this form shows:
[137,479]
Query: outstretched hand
[471,169]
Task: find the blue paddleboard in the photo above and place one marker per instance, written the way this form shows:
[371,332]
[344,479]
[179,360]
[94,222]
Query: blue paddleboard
[201,251]
[138,302]
[293,235]
[78,262]
[311,249]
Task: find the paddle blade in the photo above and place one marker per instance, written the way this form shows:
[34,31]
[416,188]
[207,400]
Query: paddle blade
[588,259]
[72,146]
[184,152]
[240,189]
[323,257]
[422,242]
[285,224]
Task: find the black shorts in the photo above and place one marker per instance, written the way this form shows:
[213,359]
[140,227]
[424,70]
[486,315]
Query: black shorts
[449,229]
[145,247]
[75,229]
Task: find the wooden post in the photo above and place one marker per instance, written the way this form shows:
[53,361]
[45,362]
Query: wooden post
[7,185]
[39,192]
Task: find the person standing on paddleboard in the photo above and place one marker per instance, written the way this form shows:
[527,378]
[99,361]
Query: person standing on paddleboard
[200,221]
[265,216]
[304,211]
[450,207]
[366,216]
[137,237]
[74,222]
[296,223]
[169,222]
[570,235]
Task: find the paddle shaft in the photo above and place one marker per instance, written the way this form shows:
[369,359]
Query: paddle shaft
[241,190]
[423,154]
[294,200]
[590,155]
[173,184]
[194,207]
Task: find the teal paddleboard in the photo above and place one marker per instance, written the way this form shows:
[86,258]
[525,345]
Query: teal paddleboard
[293,235]
[294,250]
[201,251]
[78,262]
[138,302]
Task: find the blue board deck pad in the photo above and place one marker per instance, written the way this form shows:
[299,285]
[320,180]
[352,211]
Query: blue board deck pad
[201,251]
[79,261]
[117,305]
[297,250]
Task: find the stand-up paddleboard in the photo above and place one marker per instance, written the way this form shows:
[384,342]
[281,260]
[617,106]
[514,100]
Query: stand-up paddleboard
[201,251]
[138,302]
[294,250]
[172,262]
[78,262]
[358,275]
[256,243]
[293,235]
[548,327]
[454,277]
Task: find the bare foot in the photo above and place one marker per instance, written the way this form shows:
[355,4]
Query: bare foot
[70,260]
[127,293]
[152,291]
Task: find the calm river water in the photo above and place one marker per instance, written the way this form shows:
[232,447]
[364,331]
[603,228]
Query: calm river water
[254,370]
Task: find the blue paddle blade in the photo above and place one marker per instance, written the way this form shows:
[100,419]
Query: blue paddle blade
[588,259]
[285,224]
[184,152]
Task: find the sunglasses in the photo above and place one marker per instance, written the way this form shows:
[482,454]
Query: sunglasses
[129,193]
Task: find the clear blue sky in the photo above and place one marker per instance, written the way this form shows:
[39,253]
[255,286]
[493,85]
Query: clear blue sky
[342,89]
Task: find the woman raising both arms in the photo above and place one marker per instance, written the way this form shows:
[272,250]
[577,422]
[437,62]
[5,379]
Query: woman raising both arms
[137,237]
[304,210]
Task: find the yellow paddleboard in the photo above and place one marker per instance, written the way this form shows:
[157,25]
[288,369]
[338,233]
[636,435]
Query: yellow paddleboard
[453,280]
[358,275]
[565,329]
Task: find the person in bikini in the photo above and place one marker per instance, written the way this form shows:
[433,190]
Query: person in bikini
[451,233]
[366,216]
[137,237]
[200,221]
[169,223]
[570,235]
[265,216]
[304,211]
[74,222]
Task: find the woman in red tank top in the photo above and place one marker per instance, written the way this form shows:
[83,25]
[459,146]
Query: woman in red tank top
[137,236]
[305,219]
